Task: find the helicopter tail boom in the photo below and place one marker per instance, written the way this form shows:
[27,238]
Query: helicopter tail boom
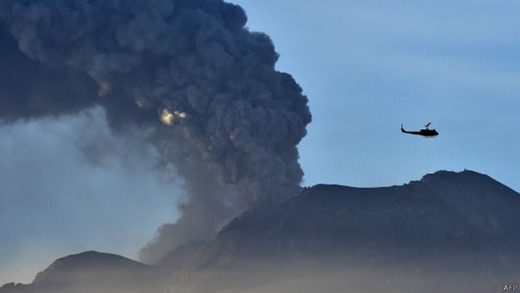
[411,132]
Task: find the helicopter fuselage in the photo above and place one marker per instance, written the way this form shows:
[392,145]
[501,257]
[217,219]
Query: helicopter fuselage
[423,132]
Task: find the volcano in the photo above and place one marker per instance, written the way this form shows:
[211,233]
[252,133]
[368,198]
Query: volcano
[446,231]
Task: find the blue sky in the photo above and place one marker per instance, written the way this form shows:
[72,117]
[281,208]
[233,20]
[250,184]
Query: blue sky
[367,67]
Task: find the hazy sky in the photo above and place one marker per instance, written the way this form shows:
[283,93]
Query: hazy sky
[367,67]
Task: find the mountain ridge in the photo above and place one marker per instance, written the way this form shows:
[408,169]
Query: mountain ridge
[402,206]
[465,221]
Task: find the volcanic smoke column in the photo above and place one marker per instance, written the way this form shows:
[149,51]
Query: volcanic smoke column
[186,71]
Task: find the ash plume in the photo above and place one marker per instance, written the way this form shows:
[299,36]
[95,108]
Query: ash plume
[188,70]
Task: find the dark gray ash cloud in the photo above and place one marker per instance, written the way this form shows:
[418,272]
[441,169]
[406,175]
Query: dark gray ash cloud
[187,71]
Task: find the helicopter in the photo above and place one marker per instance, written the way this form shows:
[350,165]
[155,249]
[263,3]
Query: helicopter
[426,132]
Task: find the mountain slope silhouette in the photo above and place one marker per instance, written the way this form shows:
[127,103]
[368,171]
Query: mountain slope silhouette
[447,229]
